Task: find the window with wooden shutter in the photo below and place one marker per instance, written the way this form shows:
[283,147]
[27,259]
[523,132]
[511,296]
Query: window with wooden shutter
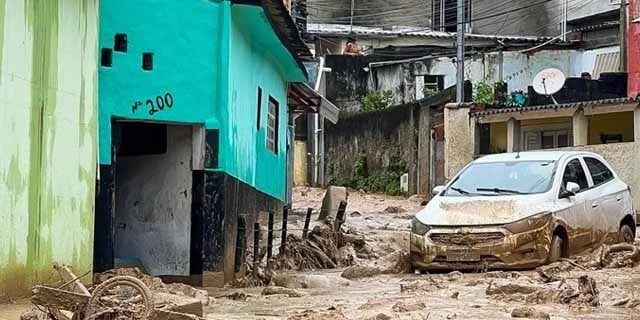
[272,125]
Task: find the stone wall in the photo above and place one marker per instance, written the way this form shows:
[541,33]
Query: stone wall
[385,138]
[346,84]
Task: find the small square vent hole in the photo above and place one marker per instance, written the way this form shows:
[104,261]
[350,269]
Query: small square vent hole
[147,61]
[120,44]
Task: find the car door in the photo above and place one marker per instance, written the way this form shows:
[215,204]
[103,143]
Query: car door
[607,203]
[578,218]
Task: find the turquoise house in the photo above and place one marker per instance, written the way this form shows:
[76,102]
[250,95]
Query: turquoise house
[196,99]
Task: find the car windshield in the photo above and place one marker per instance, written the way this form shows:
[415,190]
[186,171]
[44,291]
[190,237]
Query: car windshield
[503,178]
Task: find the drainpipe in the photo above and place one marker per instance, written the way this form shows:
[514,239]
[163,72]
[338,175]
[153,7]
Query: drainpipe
[432,160]
[316,129]
[565,17]
[501,65]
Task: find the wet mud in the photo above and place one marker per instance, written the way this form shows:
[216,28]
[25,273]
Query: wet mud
[365,288]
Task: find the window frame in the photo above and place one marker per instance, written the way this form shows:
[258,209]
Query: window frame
[538,131]
[549,188]
[593,181]
[272,144]
[584,171]
[259,111]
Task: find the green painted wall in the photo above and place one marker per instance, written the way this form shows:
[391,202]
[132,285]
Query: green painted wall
[211,56]
[48,119]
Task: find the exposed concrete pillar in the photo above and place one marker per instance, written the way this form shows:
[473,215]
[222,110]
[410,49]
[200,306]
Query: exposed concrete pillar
[513,135]
[580,129]
[424,151]
[460,138]
[636,125]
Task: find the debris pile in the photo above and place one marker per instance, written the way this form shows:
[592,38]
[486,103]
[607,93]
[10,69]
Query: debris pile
[118,294]
[326,247]
[583,293]
[291,293]
[156,284]
[318,315]
[401,307]
[530,313]
[619,255]
[429,285]
[254,276]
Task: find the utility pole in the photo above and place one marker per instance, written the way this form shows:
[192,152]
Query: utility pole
[460,60]
[353,7]
[623,36]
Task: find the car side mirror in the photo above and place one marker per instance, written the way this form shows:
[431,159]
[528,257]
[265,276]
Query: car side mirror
[437,190]
[571,189]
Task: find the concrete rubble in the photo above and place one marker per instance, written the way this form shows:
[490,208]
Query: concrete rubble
[331,202]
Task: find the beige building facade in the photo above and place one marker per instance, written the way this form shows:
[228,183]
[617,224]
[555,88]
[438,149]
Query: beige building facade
[610,128]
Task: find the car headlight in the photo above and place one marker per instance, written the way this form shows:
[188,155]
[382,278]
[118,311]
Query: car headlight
[529,223]
[419,228]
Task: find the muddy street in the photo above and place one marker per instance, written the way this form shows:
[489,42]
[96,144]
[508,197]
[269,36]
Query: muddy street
[384,222]
[371,279]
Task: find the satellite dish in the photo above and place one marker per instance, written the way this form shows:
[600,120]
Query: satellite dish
[549,82]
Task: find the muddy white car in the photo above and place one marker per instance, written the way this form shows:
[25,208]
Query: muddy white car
[521,210]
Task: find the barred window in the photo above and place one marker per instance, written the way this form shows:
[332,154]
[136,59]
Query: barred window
[272,125]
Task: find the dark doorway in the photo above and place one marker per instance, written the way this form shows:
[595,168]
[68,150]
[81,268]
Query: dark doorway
[149,223]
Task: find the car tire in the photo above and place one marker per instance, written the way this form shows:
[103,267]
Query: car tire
[555,253]
[626,234]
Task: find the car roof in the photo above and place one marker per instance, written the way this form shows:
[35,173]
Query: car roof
[532,156]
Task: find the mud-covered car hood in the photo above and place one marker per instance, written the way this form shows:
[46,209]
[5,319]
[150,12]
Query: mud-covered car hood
[473,211]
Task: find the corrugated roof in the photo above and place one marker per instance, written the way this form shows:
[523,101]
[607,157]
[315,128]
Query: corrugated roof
[559,106]
[360,31]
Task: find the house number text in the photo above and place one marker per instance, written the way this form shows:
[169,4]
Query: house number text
[155,105]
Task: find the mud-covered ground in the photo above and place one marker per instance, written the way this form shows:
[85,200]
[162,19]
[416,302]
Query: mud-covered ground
[385,223]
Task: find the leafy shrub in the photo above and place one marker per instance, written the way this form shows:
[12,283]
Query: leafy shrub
[375,101]
[483,93]
[429,92]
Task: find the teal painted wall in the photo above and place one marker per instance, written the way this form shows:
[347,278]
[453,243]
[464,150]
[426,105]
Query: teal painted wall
[184,39]
[211,56]
[244,148]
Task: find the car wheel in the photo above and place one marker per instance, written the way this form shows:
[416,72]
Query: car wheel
[555,254]
[626,234]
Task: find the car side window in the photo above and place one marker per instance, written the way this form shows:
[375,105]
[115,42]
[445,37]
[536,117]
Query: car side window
[574,172]
[599,171]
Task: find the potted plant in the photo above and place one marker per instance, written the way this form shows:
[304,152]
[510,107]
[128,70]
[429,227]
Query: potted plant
[482,95]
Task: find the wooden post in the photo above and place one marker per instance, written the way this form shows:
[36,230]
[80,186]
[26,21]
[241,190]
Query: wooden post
[283,243]
[307,220]
[340,215]
[256,246]
[270,238]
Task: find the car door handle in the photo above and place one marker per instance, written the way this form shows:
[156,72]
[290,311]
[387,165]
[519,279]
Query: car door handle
[595,204]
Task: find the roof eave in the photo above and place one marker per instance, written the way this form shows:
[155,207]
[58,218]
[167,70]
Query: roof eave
[285,29]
